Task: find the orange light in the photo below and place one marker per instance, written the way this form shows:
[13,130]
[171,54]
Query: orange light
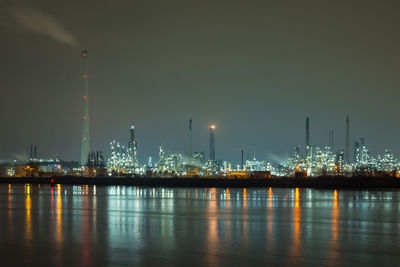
[84,75]
[28,189]
[84,117]
[212,127]
[84,97]
[297,193]
[270,197]
[335,194]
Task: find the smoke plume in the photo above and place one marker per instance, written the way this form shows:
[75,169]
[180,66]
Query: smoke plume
[22,15]
[274,158]
[20,156]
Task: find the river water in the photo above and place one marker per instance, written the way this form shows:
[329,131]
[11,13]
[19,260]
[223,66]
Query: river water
[118,225]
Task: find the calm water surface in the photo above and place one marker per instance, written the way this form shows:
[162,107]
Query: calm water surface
[117,225]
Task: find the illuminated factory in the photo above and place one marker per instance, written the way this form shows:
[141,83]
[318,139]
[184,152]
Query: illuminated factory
[324,161]
[123,159]
[314,161]
[310,161]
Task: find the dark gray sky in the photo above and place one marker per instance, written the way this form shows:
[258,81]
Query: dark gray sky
[255,68]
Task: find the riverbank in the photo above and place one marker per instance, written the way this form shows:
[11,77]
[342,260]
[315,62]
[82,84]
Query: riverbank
[359,182]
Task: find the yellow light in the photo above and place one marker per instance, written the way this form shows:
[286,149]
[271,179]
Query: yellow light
[212,126]
[28,189]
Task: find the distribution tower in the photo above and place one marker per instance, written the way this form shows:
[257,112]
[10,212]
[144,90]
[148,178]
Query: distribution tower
[212,142]
[85,139]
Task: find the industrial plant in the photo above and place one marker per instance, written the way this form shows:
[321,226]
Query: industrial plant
[306,161]
[312,161]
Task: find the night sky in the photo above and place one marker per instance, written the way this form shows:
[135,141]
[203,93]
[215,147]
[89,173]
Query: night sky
[254,68]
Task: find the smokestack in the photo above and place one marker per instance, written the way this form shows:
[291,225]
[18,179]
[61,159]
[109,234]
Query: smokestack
[31,152]
[35,152]
[132,132]
[347,138]
[85,139]
[331,139]
[212,142]
[190,138]
[307,135]
[133,146]
[242,161]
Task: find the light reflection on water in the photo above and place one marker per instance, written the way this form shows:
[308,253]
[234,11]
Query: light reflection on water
[334,242]
[89,225]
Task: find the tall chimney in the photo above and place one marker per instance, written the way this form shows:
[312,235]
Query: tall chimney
[347,139]
[212,142]
[241,165]
[132,133]
[190,138]
[133,146]
[307,135]
[85,138]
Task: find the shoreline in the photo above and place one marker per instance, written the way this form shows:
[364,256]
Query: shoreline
[325,182]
